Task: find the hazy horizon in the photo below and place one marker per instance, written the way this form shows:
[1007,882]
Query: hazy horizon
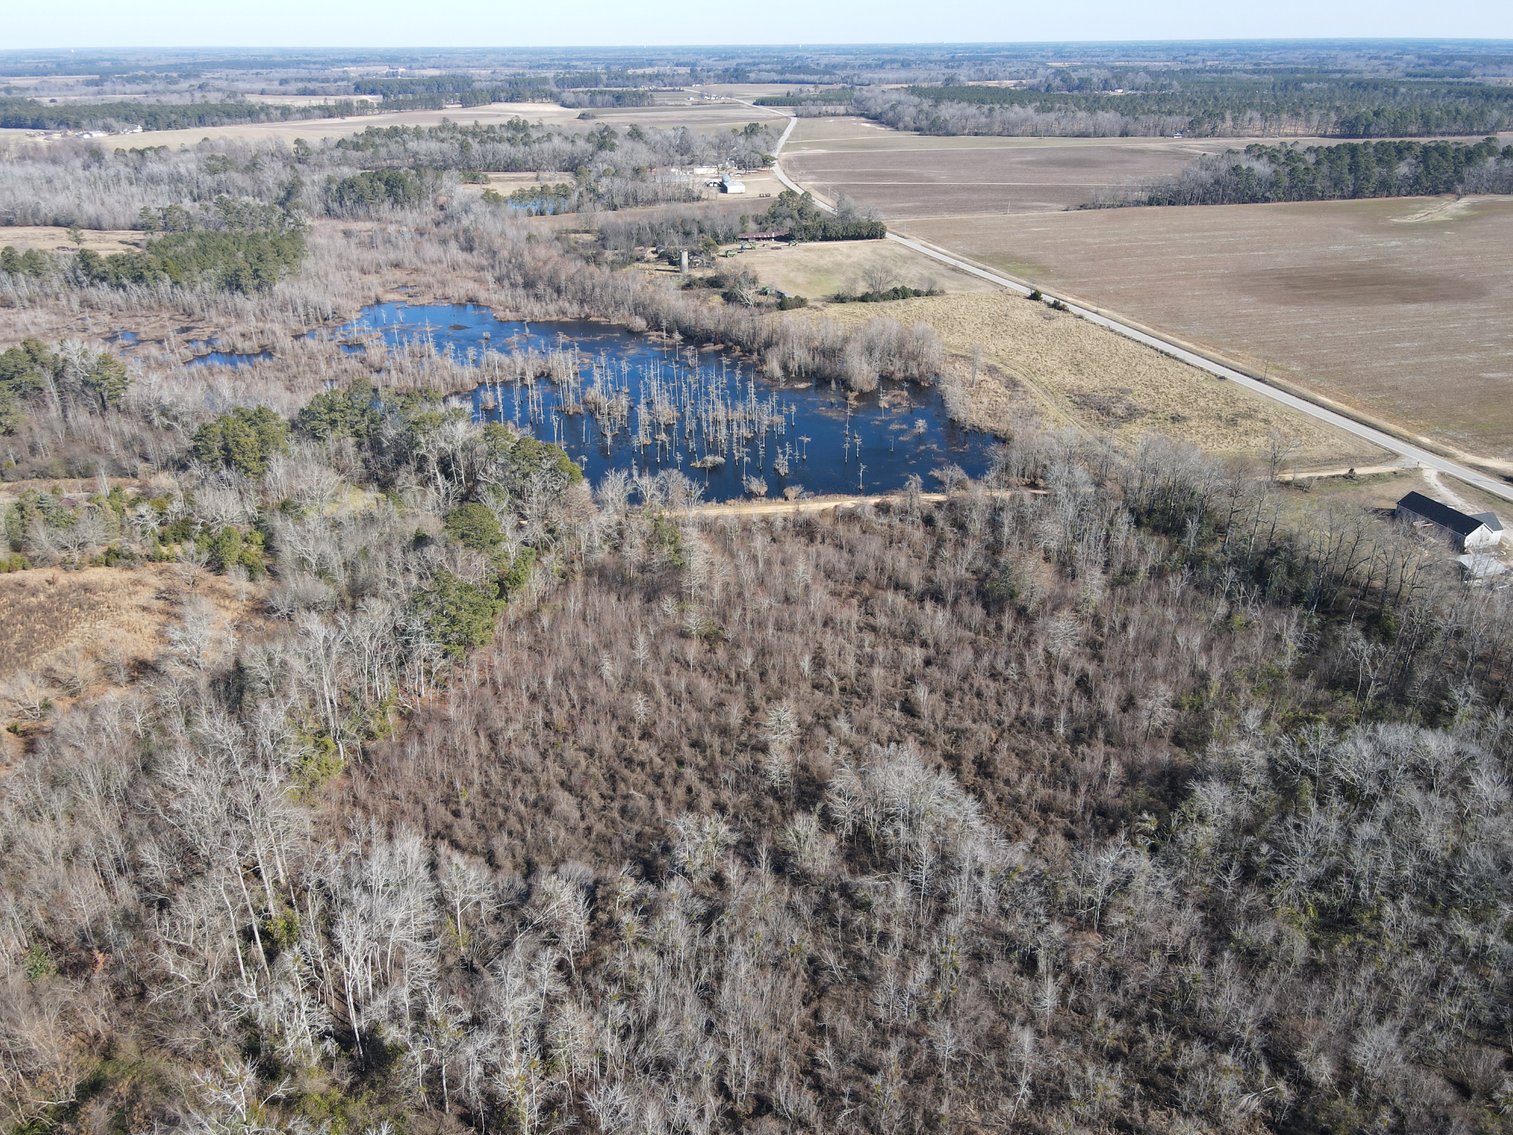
[761,45]
[286,25]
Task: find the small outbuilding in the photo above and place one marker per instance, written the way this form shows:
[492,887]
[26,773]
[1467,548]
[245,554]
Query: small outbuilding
[1465,531]
[1479,567]
[732,184]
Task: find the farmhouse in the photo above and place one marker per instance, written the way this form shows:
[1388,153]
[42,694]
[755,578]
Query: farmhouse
[1464,530]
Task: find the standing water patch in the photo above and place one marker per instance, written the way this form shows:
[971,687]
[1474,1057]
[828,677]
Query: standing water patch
[619,400]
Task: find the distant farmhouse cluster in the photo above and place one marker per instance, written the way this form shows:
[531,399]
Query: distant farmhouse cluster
[1472,534]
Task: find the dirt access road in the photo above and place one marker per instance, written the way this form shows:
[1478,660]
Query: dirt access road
[747,508]
[718,509]
[1113,322]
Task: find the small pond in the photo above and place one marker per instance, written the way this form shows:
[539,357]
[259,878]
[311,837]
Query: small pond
[635,403]
[228,359]
[205,352]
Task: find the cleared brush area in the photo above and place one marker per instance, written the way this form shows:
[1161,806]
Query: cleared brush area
[68,634]
[49,238]
[1395,308]
[1078,374]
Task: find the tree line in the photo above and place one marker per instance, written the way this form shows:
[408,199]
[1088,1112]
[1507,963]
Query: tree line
[1341,172]
[1200,105]
[797,216]
[29,114]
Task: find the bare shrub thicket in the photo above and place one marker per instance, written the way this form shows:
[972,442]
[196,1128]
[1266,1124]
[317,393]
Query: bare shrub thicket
[1116,806]
[82,183]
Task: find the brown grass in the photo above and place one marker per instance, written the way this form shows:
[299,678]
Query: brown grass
[1396,308]
[52,239]
[71,634]
[819,270]
[1081,375]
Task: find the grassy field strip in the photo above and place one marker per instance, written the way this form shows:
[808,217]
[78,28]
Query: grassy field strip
[1303,405]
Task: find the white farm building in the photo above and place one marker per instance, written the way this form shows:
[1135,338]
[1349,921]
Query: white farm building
[1465,531]
[730,183]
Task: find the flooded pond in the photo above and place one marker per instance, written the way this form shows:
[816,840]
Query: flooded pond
[634,403]
[228,359]
[204,352]
[209,354]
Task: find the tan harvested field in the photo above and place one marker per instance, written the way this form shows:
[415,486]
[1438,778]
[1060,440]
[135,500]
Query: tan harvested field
[1075,373]
[51,239]
[1397,309]
[914,176]
[906,176]
[314,129]
[817,271]
[696,115]
[748,91]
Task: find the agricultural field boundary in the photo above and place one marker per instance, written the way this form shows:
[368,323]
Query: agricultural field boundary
[1371,430]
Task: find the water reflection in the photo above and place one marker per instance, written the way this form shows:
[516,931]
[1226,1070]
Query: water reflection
[617,400]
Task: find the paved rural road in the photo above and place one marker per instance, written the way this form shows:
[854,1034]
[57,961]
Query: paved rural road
[1421,456]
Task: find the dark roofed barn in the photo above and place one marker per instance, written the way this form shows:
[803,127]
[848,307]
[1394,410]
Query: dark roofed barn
[1461,529]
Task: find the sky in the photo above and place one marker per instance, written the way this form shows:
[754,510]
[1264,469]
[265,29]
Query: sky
[512,23]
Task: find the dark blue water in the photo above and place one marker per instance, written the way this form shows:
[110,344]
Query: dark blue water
[227,359]
[618,400]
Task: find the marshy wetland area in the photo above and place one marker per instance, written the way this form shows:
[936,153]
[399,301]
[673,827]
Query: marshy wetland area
[734,591]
